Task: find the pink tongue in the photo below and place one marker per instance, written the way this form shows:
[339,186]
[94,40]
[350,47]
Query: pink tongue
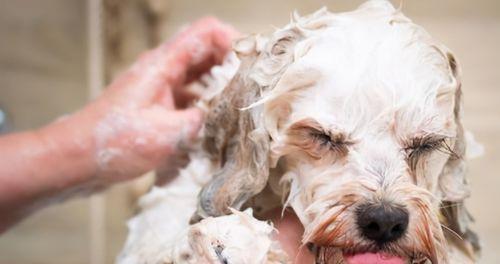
[373,258]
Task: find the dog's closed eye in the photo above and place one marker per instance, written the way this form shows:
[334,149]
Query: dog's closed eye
[419,147]
[336,142]
[309,136]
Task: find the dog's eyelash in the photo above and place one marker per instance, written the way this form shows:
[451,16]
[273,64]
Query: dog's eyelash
[323,138]
[420,146]
[337,143]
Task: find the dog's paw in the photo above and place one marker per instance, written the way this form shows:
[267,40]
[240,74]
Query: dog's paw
[235,238]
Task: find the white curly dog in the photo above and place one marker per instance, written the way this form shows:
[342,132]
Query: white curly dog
[353,120]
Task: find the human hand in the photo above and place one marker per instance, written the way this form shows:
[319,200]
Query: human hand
[140,119]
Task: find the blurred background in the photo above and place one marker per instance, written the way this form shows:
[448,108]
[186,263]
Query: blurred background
[45,63]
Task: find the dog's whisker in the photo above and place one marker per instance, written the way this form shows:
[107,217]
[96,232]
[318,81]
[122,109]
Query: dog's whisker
[452,232]
[450,205]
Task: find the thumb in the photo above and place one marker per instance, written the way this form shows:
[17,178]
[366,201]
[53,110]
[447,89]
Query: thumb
[188,122]
[173,126]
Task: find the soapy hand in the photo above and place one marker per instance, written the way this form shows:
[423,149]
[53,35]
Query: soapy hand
[141,117]
[133,127]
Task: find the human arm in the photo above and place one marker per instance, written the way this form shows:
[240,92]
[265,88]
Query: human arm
[130,129]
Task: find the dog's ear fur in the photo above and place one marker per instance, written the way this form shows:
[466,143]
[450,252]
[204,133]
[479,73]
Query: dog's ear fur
[235,137]
[452,181]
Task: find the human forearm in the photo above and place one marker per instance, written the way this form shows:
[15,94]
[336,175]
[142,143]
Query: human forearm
[40,166]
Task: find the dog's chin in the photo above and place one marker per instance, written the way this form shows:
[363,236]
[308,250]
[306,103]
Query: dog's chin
[329,255]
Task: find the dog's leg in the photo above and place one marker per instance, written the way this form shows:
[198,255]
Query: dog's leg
[165,212]
[161,233]
[235,238]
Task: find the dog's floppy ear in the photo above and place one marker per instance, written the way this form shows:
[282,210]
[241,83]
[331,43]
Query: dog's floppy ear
[235,138]
[452,181]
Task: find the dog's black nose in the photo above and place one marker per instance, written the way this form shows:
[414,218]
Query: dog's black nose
[382,223]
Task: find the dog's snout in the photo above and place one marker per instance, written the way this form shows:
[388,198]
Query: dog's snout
[382,223]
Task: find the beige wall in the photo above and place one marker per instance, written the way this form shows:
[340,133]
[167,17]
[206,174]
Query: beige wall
[43,76]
